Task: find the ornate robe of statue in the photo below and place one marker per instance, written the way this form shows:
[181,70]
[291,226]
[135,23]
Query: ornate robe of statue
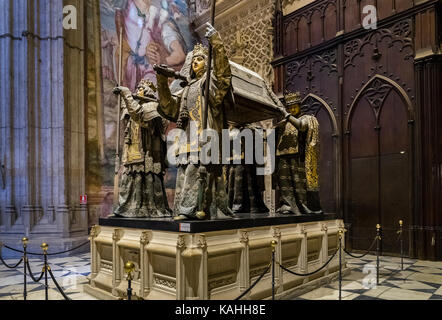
[245,187]
[186,106]
[297,151]
[141,191]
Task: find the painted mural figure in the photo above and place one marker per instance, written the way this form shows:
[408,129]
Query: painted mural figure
[149,37]
[186,107]
[141,190]
[244,187]
[297,151]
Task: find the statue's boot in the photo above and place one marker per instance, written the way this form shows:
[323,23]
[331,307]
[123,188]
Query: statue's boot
[228,214]
[308,211]
[287,210]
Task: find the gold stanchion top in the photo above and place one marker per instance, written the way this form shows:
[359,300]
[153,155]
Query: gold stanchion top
[340,232]
[129,267]
[274,243]
[401,222]
[25,241]
[44,246]
[378,226]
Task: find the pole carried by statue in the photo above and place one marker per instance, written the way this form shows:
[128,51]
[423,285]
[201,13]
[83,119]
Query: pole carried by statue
[117,149]
[202,171]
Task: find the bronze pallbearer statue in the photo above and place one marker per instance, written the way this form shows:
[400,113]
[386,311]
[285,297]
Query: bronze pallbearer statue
[200,190]
[297,150]
[141,190]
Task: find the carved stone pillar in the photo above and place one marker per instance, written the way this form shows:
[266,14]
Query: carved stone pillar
[95,230]
[324,250]
[244,278]
[180,272]
[303,253]
[203,288]
[144,265]
[41,124]
[116,260]
[278,260]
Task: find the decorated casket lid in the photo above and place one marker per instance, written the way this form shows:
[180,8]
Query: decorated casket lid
[253,99]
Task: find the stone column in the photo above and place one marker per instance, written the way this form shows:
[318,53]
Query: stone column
[303,252]
[95,230]
[203,287]
[180,271]
[116,260]
[324,250]
[144,265]
[41,125]
[244,278]
[278,259]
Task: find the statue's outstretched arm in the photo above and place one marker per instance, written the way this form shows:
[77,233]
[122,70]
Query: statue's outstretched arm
[169,105]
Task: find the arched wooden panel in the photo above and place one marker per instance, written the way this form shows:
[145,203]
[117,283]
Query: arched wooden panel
[351,15]
[303,34]
[395,171]
[379,155]
[363,177]
[316,28]
[328,170]
[327,167]
[330,22]
[291,38]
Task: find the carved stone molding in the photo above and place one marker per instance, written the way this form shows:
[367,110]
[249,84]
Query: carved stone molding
[276,233]
[117,234]
[95,230]
[144,238]
[202,242]
[165,283]
[181,242]
[222,282]
[244,237]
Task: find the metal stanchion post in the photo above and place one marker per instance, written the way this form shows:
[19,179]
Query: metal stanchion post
[401,223]
[45,246]
[25,261]
[340,264]
[274,243]
[129,268]
[378,248]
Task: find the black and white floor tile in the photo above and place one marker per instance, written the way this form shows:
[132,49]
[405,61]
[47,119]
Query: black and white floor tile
[419,280]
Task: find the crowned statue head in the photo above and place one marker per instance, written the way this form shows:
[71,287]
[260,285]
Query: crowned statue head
[146,88]
[293,103]
[199,61]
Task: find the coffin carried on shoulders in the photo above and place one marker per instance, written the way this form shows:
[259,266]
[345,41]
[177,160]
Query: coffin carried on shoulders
[252,99]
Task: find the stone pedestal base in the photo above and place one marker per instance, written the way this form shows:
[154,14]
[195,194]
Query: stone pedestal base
[211,265]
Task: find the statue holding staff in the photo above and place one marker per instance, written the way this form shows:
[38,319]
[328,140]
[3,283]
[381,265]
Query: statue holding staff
[200,189]
[141,190]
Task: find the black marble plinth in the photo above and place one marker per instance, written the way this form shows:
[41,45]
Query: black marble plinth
[243,221]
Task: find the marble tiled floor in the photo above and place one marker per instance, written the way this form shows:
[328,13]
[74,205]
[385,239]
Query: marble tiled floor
[70,272]
[420,280]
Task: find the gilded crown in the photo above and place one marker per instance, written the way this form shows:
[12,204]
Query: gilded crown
[146,83]
[200,50]
[292,98]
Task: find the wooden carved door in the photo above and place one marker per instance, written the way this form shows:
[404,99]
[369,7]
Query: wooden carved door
[380,168]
